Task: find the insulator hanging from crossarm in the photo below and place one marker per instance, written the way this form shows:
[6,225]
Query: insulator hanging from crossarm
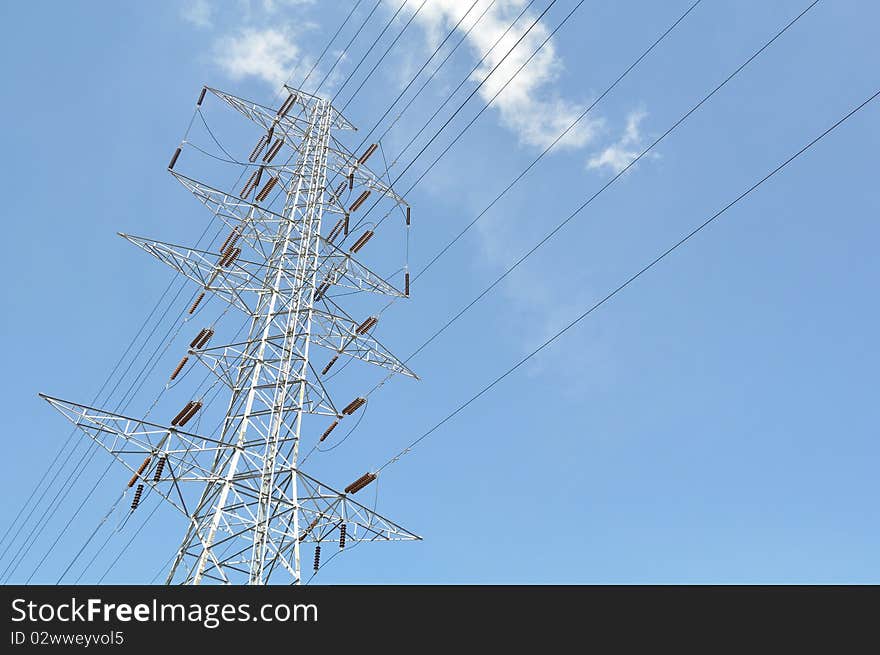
[317,557]
[273,150]
[182,412]
[202,338]
[367,154]
[406,284]
[233,237]
[339,190]
[329,364]
[285,107]
[360,483]
[354,405]
[325,285]
[328,431]
[360,200]
[351,181]
[264,192]
[311,527]
[201,97]
[174,158]
[246,189]
[186,413]
[252,183]
[336,230]
[342,536]
[136,500]
[367,325]
[224,256]
[192,412]
[179,368]
[196,303]
[407,215]
[258,148]
[202,332]
[140,470]
[159,468]
[362,241]
[230,256]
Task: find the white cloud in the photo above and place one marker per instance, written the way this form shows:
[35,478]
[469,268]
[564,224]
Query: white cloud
[528,106]
[621,153]
[267,54]
[197,12]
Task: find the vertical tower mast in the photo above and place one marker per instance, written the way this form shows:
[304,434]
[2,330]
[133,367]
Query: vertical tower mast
[294,253]
[255,507]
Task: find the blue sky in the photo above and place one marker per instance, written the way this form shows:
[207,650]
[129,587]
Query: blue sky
[713,423]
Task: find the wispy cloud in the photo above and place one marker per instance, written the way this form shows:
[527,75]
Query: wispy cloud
[198,12]
[267,54]
[529,106]
[622,152]
[273,5]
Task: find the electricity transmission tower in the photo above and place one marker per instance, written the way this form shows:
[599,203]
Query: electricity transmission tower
[248,504]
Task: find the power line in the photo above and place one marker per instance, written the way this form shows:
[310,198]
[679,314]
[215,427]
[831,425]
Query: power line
[367,52]
[462,82]
[482,109]
[94,400]
[616,177]
[207,403]
[422,69]
[632,279]
[384,54]
[436,70]
[555,141]
[471,95]
[559,137]
[347,46]
[589,200]
[327,47]
[451,95]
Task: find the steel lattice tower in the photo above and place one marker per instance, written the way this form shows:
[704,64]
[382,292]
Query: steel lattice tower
[248,504]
